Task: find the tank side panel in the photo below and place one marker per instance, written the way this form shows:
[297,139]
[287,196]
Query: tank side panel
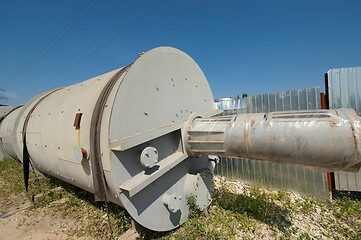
[6,129]
[161,89]
[106,153]
[5,110]
[59,127]
[17,134]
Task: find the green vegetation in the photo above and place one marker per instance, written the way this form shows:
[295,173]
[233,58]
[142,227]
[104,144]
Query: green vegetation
[238,211]
[90,216]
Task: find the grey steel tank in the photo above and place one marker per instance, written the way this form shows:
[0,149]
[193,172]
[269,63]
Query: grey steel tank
[140,137]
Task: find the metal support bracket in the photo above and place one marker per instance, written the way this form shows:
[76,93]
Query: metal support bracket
[142,180]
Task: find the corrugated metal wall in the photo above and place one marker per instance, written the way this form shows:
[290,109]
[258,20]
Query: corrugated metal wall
[230,104]
[271,174]
[344,89]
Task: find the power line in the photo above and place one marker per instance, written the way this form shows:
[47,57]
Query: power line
[47,44]
[37,45]
[143,39]
[169,23]
[1,96]
[153,33]
[174,35]
[108,42]
[89,45]
[61,38]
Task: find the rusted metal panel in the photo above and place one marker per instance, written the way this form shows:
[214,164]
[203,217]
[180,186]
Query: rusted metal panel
[344,90]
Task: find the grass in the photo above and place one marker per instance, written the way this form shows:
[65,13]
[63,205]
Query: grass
[238,211]
[90,216]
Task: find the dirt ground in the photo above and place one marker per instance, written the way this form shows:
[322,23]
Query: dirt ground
[60,211]
[20,220]
[39,223]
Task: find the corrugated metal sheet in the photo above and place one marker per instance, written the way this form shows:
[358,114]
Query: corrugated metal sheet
[271,174]
[230,103]
[300,99]
[344,89]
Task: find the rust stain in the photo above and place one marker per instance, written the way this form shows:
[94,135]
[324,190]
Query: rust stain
[111,157]
[164,126]
[246,137]
[329,180]
[84,153]
[252,122]
[232,121]
[333,142]
[77,120]
[78,137]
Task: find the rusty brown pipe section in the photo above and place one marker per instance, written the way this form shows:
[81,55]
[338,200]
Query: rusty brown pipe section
[325,140]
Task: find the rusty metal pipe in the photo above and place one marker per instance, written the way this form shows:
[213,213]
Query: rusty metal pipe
[326,140]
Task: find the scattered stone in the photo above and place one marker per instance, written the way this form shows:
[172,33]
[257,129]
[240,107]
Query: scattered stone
[34,179]
[39,197]
[60,201]
[55,190]
[131,234]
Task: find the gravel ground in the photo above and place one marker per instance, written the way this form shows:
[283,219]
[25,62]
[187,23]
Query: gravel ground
[238,211]
[308,219]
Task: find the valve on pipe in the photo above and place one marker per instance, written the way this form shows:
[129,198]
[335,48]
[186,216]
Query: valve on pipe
[140,137]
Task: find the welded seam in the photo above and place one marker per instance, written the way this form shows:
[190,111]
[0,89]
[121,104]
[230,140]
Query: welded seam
[26,156]
[99,181]
[12,110]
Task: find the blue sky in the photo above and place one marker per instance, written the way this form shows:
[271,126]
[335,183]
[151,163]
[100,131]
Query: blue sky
[249,47]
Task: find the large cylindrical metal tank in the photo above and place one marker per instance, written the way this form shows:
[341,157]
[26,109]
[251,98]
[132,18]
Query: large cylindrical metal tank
[6,131]
[104,124]
[135,136]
